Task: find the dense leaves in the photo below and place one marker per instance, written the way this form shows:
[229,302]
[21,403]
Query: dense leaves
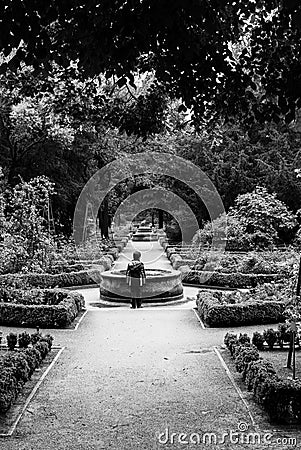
[228,57]
[257,220]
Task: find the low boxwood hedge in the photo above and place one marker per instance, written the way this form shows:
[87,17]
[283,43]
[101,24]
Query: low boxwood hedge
[45,280]
[39,307]
[104,263]
[280,397]
[254,312]
[16,368]
[232,280]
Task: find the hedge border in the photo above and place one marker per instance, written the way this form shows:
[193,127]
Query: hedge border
[45,280]
[45,316]
[280,397]
[254,312]
[232,280]
[16,368]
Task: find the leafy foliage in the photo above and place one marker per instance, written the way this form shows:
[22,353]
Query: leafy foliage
[230,57]
[257,220]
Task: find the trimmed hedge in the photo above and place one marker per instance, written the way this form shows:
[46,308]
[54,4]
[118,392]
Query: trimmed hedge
[104,263]
[280,397]
[232,280]
[48,308]
[215,314]
[16,368]
[45,280]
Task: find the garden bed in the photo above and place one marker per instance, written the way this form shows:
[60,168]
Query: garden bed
[46,280]
[73,265]
[231,280]
[279,396]
[249,263]
[220,309]
[47,308]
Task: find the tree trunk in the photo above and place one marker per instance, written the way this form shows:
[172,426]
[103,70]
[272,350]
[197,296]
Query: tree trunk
[161,218]
[153,218]
[104,220]
[290,352]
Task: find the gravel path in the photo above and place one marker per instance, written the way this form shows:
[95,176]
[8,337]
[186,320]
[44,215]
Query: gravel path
[124,378]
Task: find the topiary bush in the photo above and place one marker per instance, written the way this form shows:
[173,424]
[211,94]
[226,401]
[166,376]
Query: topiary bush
[258,340]
[244,354]
[11,339]
[244,339]
[270,337]
[24,339]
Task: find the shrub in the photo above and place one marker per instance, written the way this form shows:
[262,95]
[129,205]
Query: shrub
[231,280]
[48,339]
[284,334]
[244,339]
[271,337]
[217,314]
[16,368]
[45,280]
[42,347]
[231,342]
[8,388]
[24,339]
[258,340]
[243,356]
[17,361]
[35,338]
[46,308]
[33,357]
[258,370]
[11,341]
[281,398]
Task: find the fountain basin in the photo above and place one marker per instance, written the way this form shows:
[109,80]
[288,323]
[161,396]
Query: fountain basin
[161,286]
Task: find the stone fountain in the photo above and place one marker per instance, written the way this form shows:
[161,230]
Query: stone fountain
[161,286]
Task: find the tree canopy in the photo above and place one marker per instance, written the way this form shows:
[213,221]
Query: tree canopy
[224,57]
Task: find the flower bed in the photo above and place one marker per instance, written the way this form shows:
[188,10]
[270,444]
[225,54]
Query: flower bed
[280,397]
[219,309]
[17,367]
[39,307]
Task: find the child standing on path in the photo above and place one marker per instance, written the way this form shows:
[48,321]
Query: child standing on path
[135,277]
